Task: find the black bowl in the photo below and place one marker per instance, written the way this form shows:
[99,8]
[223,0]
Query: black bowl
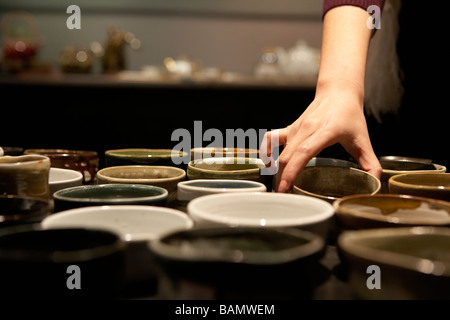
[60,263]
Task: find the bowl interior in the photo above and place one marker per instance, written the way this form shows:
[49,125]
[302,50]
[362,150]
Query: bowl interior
[227,164]
[220,184]
[143,153]
[402,247]
[431,180]
[141,172]
[335,182]
[110,192]
[58,175]
[133,223]
[406,165]
[238,245]
[260,209]
[395,209]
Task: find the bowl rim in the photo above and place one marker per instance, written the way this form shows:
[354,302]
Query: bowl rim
[77,176]
[191,165]
[61,195]
[382,218]
[394,181]
[61,152]
[78,255]
[326,209]
[186,190]
[23,160]
[181,174]
[314,244]
[43,211]
[439,168]
[348,242]
[116,153]
[332,198]
[129,209]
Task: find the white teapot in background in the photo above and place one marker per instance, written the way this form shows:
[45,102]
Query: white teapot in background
[300,60]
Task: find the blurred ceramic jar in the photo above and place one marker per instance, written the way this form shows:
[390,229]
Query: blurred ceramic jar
[25,175]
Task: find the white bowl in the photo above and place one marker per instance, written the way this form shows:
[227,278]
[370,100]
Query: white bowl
[60,178]
[262,209]
[131,222]
[191,189]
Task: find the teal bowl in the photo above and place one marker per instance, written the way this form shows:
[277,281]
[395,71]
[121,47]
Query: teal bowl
[109,194]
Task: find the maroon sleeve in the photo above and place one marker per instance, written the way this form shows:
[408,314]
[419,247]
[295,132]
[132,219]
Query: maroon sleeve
[363,4]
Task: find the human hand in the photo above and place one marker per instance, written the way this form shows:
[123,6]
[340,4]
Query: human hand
[335,116]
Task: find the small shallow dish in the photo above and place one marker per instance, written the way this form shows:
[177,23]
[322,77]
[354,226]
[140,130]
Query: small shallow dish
[166,177]
[238,262]
[109,194]
[430,185]
[141,156]
[63,178]
[191,189]
[409,263]
[51,264]
[333,182]
[390,210]
[15,210]
[394,165]
[262,209]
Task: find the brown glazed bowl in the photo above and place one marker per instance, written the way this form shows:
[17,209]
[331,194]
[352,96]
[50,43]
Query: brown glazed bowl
[26,176]
[390,210]
[333,182]
[393,165]
[166,177]
[430,185]
[84,161]
[407,263]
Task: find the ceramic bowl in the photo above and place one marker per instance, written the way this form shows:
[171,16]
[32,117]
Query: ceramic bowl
[60,264]
[63,178]
[109,194]
[262,209]
[323,161]
[431,185]
[131,222]
[84,161]
[208,152]
[166,177]
[15,210]
[227,168]
[192,259]
[26,176]
[135,224]
[333,182]
[393,165]
[191,189]
[409,263]
[390,210]
[141,156]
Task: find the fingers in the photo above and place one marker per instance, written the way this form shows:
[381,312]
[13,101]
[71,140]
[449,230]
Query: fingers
[295,157]
[361,149]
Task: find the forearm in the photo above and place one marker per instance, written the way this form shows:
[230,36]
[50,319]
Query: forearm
[345,41]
